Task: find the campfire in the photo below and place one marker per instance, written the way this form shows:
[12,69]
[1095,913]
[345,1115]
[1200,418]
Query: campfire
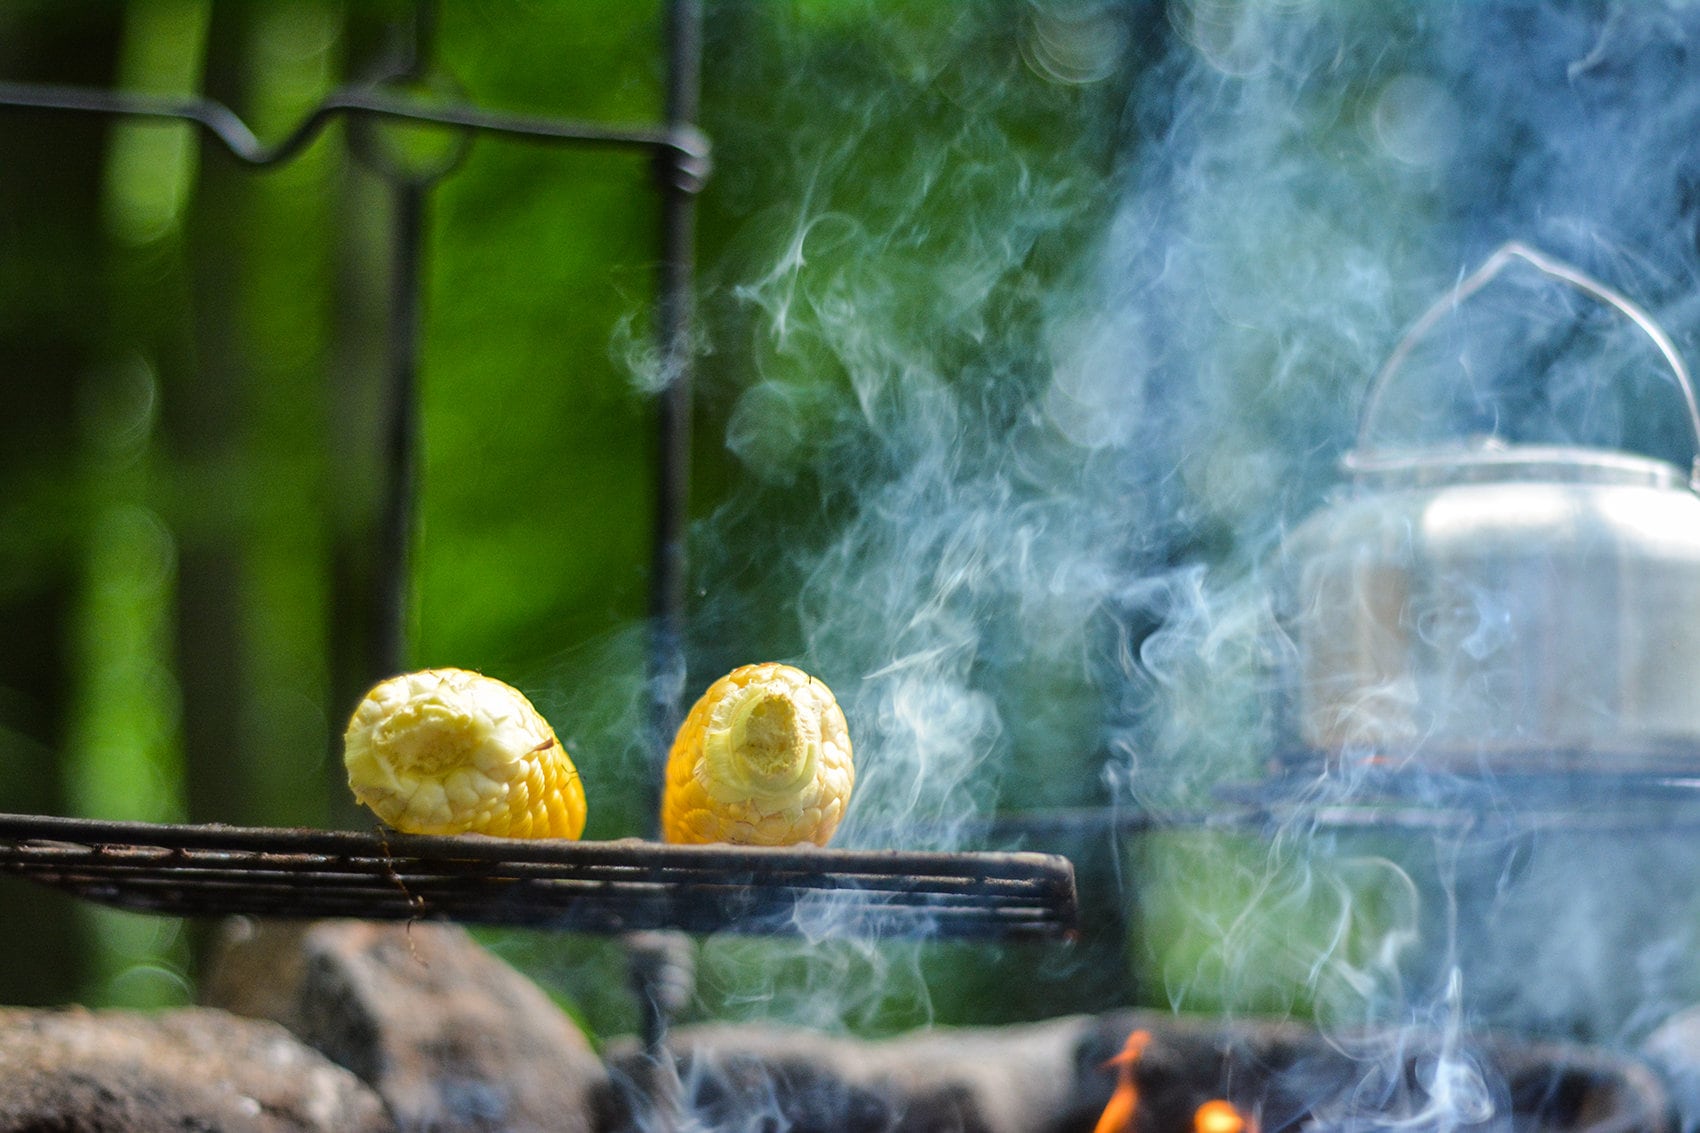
[1219,1116]
[1206,1077]
[1122,1112]
[1123,1106]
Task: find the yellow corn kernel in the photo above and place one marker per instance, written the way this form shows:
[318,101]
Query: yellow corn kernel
[447,751]
[763,759]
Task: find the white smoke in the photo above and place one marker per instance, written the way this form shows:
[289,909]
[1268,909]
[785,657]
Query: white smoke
[1015,462]
[1313,176]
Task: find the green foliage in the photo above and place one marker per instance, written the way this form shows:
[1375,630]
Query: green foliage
[1289,927]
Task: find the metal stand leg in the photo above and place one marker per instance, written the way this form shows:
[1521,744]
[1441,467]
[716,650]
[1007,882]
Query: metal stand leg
[663,977]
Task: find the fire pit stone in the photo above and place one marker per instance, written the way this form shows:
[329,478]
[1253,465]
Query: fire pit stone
[447,1034]
[1011,1079]
[1056,1077]
[122,1072]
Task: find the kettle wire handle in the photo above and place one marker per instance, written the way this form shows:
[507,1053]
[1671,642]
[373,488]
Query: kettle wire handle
[1563,272]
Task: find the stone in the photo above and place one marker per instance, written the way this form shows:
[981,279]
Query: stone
[973,1080]
[1055,1076]
[191,1069]
[452,1038]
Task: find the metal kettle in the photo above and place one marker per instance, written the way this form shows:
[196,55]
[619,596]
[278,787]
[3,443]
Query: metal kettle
[1499,607]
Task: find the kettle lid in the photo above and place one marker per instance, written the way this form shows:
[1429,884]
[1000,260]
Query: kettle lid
[1493,461]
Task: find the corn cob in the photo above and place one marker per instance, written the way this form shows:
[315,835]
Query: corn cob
[763,759]
[447,751]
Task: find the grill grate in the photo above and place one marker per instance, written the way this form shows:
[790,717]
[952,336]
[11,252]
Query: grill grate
[590,887]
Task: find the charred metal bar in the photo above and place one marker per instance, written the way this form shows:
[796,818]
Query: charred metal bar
[591,887]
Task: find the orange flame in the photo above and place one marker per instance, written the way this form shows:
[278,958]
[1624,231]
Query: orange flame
[1218,1116]
[1118,1114]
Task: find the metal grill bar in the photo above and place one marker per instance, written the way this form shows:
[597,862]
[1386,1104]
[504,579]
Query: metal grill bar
[684,144]
[592,887]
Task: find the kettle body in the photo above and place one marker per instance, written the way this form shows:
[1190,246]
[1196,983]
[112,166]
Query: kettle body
[1532,609]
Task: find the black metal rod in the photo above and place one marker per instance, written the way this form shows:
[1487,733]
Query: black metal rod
[399,504]
[677,184]
[679,178]
[424,39]
[686,147]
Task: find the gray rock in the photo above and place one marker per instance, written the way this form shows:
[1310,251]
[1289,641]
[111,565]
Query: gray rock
[451,1037]
[1052,1077]
[981,1080]
[120,1072]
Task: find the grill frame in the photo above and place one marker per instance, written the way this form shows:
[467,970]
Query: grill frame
[588,887]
